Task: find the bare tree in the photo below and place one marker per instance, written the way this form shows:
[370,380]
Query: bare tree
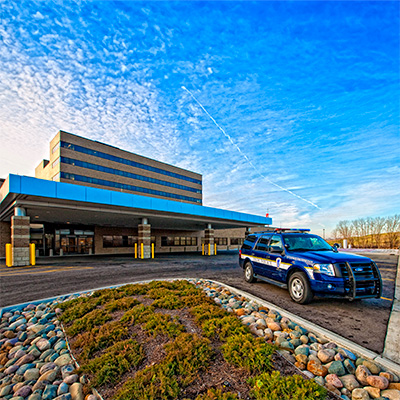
[377,226]
[392,230]
[344,230]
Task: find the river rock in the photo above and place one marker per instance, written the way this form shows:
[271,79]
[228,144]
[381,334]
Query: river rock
[373,367]
[274,326]
[28,358]
[65,396]
[50,392]
[379,382]
[316,368]
[49,376]
[76,390]
[337,368]
[334,381]
[47,367]
[394,386]
[350,382]
[43,344]
[349,365]
[326,355]
[63,360]
[24,391]
[373,391]
[391,394]
[388,375]
[31,374]
[359,394]
[362,372]
[63,388]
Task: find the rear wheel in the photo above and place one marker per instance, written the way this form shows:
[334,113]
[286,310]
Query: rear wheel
[299,288]
[249,273]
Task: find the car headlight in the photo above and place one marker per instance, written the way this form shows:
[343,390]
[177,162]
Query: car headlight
[326,269]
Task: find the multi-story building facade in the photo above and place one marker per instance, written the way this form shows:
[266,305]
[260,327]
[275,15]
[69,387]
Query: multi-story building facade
[74,159]
[92,198]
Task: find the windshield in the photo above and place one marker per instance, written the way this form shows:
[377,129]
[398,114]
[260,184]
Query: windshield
[305,242]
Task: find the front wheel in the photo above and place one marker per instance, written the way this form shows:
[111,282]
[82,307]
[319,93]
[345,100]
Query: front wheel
[249,273]
[299,288]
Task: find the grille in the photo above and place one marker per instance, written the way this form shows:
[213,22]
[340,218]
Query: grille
[365,280]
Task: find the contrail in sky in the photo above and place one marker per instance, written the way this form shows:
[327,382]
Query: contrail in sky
[245,156]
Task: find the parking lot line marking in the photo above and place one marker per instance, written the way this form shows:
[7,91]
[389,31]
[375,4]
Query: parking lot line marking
[386,279]
[385,298]
[41,271]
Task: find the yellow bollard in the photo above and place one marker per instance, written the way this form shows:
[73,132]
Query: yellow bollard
[141,250]
[32,254]
[215,249]
[202,249]
[135,250]
[152,250]
[8,255]
[209,249]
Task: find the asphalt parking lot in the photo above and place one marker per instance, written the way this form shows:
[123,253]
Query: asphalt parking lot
[363,322]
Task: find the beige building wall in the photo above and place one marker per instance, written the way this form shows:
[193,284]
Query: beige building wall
[113,151]
[50,169]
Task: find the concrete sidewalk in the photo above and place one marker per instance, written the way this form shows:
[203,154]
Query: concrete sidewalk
[392,341]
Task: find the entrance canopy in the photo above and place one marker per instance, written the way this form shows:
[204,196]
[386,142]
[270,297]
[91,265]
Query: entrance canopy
[57,202]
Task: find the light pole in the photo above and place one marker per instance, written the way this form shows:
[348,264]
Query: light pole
[323,230]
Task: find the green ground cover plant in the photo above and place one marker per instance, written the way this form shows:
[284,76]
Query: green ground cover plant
[162,349]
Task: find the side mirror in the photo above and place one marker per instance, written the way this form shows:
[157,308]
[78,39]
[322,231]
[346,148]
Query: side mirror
[337,245]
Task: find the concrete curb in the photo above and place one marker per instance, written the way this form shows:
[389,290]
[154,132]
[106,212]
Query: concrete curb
[392,341]
[318,330]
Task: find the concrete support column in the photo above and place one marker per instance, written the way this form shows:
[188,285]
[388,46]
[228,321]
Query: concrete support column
[247,232]
[144,236]
[5,237]
[209,239]
[20,236]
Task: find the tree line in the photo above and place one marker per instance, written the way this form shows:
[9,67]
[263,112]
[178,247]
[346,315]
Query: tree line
[372,232]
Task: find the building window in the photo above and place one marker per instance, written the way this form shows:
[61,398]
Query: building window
[119,241]
[221,241]
[120,160]
[56,162]
[123,186]
[178,241]
[237,241]
[55,148]
[56,177]
[126,174]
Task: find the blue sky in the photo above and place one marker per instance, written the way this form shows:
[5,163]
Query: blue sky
[307,91]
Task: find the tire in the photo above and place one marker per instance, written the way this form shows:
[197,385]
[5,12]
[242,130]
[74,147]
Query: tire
[249,273]
[299,288]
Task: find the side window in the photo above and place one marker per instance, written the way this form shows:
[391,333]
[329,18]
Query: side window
[262,244]
[276,243]
[249,242]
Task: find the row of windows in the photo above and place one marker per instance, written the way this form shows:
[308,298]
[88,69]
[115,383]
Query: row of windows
[102,182]
[101,168]
[178,241]
[123,161]
[129,241]
[223,241]
[121,241]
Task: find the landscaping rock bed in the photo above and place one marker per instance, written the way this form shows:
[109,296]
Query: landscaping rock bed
[36,362]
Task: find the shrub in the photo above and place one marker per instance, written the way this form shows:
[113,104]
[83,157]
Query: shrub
[185,356]
[223,327]
[86,323]
[275,387]
[100,338]
[77,308]
[109,367]
[137,315]
[216,394]
[207,310]
[160,323]
[125,303]
[253,354]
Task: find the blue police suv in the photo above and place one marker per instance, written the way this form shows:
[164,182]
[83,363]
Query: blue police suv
[307,265]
